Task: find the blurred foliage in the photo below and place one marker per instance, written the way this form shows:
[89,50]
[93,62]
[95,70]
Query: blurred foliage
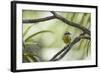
[41,41]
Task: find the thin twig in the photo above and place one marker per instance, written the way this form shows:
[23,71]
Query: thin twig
[38,20]
[61,51]
[86,37]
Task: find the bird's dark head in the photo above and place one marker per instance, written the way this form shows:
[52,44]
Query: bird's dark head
[67,33]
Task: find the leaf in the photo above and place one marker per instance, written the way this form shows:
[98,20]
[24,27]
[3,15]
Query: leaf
[26,31]
[36,34]
[30,58]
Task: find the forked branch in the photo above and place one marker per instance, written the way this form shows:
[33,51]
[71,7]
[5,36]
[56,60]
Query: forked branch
[67,48]
[56,16]
[85,30]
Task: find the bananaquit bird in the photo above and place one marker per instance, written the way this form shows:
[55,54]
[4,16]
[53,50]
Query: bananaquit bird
[66,38]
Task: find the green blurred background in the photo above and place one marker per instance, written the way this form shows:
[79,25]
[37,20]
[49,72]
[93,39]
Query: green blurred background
[47,37]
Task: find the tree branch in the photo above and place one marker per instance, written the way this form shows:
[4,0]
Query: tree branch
[85,37]
[38,20]
[67,48]
[71,23]
[85,30]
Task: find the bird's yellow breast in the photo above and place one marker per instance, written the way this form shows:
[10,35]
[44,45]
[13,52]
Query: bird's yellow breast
[66,39]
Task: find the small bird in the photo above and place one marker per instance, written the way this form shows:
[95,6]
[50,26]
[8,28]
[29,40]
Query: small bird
[67,37]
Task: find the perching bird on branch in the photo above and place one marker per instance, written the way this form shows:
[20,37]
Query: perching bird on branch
[67,38]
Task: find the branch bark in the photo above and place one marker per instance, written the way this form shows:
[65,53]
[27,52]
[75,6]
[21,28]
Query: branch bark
[38,20]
